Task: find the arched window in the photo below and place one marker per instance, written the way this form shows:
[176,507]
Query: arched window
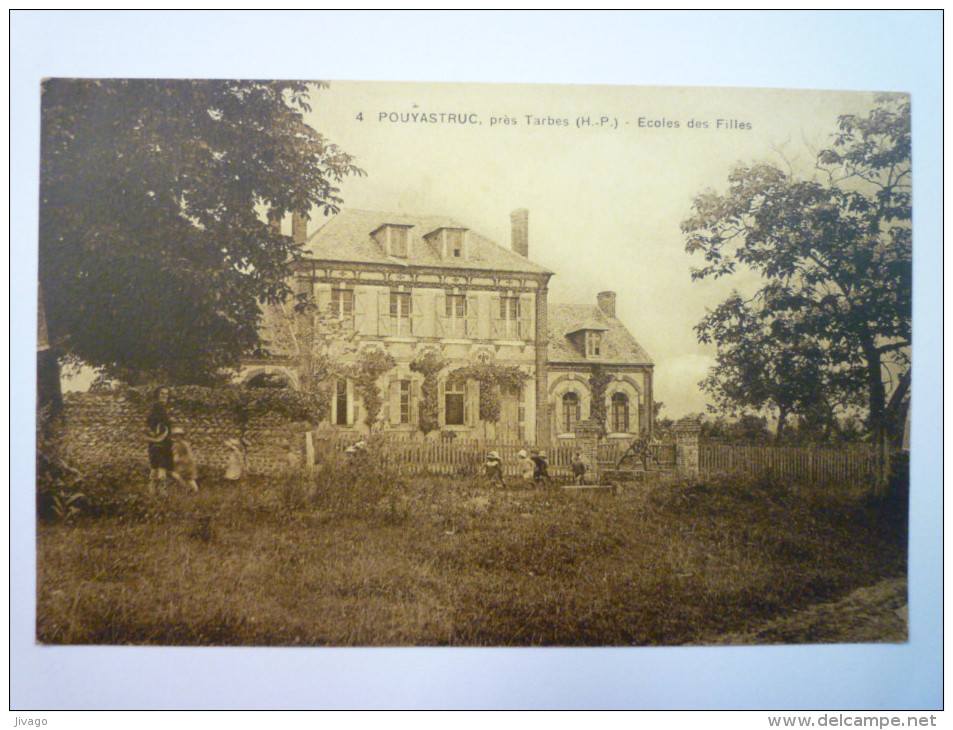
[570,411]
[620,413]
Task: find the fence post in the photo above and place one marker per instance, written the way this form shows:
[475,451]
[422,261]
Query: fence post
[687,431]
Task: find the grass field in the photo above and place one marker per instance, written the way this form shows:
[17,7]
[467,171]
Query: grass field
[357,559]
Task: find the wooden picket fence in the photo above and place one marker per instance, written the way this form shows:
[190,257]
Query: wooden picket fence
[462,458]
[849,466]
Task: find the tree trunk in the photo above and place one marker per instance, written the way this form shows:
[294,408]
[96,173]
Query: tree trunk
[877,397]
[782,418]
[895,415]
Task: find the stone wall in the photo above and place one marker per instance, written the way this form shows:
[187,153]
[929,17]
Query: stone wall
[106,428]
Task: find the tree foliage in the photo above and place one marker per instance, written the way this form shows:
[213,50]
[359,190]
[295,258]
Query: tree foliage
[493,380]
[834,256]
[371,364]
[599,381]
[771,363]
[155,250]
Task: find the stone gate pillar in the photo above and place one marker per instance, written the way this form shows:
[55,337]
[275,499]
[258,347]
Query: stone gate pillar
[587,444]
[687,431]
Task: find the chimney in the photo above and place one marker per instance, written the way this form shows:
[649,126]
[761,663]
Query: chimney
[606,302]
[299,228]
[520,239]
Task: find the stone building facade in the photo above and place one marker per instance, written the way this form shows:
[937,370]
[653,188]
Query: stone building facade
[413,285]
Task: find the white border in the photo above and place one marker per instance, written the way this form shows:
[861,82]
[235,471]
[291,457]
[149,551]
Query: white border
[891,51]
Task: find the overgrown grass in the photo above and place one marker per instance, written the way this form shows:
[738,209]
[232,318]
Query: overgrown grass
[357,556]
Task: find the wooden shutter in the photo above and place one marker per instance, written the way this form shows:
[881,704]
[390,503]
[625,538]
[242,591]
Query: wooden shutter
[473,316]
[415,402]
[495,312]
[526,317]
[322,298]
[417,324]
[360,312]
[439,309]
[383,313]
[393,403]
[442,402]
[351,404]
[471,403]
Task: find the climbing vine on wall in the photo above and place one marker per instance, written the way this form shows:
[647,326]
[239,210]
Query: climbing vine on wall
[429,364]
[493,379]
[599,381]
[371,364]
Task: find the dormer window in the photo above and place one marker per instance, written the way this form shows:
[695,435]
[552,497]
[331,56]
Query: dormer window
[589,338]
[394,238]
[450,243]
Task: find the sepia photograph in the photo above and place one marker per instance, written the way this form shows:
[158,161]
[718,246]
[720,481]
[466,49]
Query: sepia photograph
[390,364]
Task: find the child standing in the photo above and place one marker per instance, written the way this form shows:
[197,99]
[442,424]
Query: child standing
[234,459]
[525,466]
[184,469]
[541,468]
[578,468]
[493,469]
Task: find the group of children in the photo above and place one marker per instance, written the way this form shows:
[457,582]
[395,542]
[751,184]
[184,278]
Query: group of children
[533,468]
[170,452]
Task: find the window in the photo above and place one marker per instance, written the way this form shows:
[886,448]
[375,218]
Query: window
[398,242]
[400,312]
[342,303]
[509,317]
[340,404]
[404,401]
[593,343]
[570,412]
[454,394]
[620,413]
[456,315]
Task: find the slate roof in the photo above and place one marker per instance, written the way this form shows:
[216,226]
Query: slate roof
[347,238]
[618,345]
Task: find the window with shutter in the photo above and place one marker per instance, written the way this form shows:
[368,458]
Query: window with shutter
[400,313]
[509,319]
[455,315]
[340,404]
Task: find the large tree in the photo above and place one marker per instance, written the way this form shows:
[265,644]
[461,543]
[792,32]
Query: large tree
[833,253]
[155,202]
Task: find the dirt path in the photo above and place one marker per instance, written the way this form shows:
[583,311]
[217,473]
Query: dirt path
[876,613]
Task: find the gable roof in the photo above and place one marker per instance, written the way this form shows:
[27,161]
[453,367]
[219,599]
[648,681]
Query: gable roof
[347,238]
[618,344]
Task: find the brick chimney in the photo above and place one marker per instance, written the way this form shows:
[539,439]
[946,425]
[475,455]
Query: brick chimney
[299,228]
[606,302]
[520,238]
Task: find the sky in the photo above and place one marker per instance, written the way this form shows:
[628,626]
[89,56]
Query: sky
[605,199]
